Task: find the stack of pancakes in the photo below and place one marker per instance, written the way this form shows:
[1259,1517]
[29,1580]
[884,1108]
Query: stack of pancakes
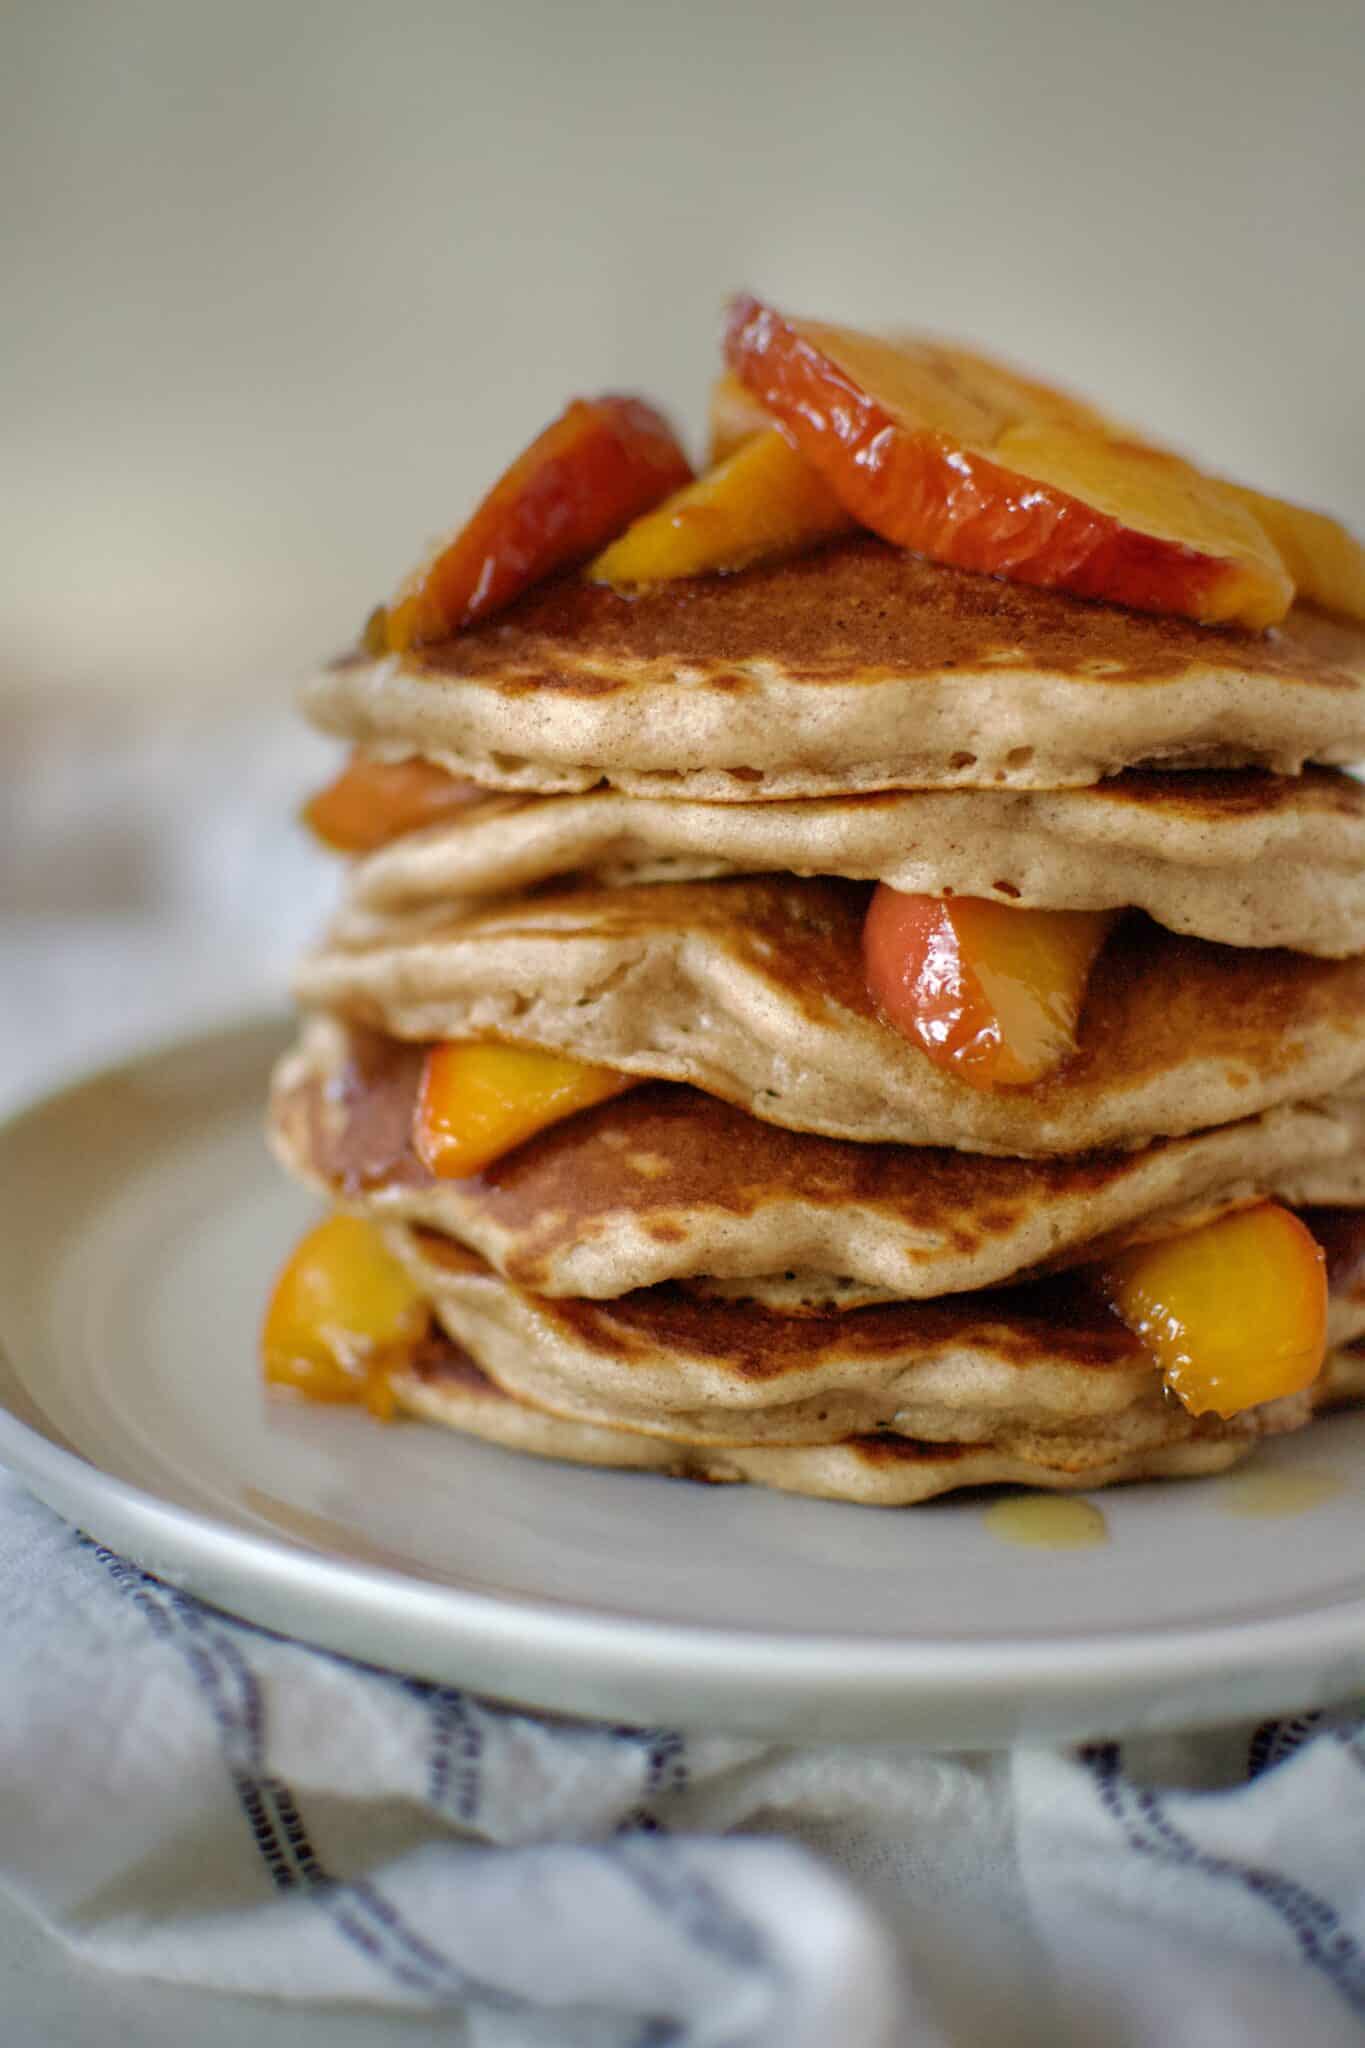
[803,1254]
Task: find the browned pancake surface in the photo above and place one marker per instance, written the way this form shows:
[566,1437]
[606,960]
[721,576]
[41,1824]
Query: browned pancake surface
[1058,1322]
[854,612]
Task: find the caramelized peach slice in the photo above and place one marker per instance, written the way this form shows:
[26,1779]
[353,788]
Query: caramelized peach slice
[736,416]
[342,1317]
[601,464]
[1148,494]
[478,1101]
[372,802]
[922,455]
[990,993]
[763,501]
[1015,396]
[1234,1313]
[1324,558]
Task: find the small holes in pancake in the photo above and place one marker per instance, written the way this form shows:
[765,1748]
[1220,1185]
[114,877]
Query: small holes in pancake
[1006,889]
[962,760]
[1018,757]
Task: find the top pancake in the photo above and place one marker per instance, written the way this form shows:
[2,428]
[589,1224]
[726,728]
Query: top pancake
[858,667]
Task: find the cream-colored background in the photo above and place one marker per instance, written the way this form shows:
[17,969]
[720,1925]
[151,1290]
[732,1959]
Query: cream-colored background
[284,285]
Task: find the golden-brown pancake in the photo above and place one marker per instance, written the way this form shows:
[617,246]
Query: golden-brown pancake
[753,990]
[1045,1369]
[666,1183]
[874,1470]
[1243,858]
[856,668]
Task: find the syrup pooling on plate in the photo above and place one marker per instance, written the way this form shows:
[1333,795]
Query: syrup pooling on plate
[1270,1495]
[1046,1521]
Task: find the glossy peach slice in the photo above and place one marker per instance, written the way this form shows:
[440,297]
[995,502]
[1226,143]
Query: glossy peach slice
[926,459]
[1324,557]
[478,1101]
[342,1316]
[992,994]
[735,415]
[601,464]
[1234,1313]
[762,502]
[372,802]
[1013,394]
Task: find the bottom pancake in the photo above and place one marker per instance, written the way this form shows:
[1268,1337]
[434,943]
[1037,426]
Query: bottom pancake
[1043,1373]
[882,1469]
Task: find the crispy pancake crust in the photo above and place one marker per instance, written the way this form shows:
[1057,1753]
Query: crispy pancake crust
[667,1183]
[858,667]
[753,990]
[1243,858]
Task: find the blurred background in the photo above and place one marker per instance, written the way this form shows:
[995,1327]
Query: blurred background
[286,285]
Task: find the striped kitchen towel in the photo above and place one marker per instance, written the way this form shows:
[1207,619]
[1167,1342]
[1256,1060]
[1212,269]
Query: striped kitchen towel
[191,1798]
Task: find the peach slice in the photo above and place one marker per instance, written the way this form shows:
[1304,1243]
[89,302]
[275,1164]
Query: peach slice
[598,466]
[1014,395]
[764,500]
[342,1316]
[1148,492]
[936,461]
[478,1101]
[736,415]
[1234,1313]
[1324,558]
[372,802]
[992,994]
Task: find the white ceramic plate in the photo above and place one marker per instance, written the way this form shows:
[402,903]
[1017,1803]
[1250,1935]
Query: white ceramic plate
[140,1224]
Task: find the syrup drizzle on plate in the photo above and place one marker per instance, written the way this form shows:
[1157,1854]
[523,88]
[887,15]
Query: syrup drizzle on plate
[1267,1494]
[1046,1521]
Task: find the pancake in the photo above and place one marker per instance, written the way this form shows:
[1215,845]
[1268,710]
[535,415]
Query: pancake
[813,1293]
[873,1470]
[753,990]
[1242,858]
[1042,1369]
[858,667]
[666,1183]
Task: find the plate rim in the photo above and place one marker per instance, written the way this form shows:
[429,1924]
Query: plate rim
[1077,1677]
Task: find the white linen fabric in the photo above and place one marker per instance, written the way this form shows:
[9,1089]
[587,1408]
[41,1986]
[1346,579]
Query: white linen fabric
[187,1797]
